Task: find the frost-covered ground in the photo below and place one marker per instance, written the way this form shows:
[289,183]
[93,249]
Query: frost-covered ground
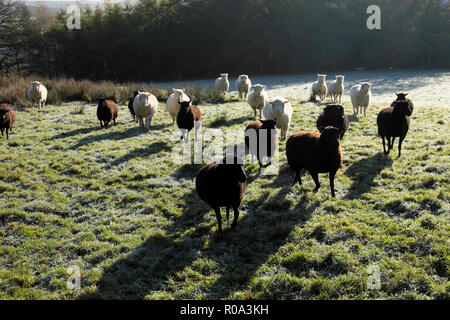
[425,87]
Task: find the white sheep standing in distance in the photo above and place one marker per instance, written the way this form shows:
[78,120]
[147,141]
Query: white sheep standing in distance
[145,106]
[173,105]
[319,88]
[360,95]
[37,94]
[222,82]
[336,89]
[243,85]
[257,98]
[280,110]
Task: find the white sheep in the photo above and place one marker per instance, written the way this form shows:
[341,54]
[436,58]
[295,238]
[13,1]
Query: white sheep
[37,94]
[360,95]
[222,83]
[145,105]
[319,88]
[243,85]
[173,105]
[280,110]
[257,98]
[336,89]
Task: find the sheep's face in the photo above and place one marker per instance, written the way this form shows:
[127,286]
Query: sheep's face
[334,110]
[101,103]
[321,77]
[268,124]
[224,76]
[179,93]
[403,107]
[3,114]
[135,94]
[330,135]
[235,167]
[184,105]
[340,79]
[401,96]
[35,85]
[258,89]
[278,105]
[243,77]
[365,87]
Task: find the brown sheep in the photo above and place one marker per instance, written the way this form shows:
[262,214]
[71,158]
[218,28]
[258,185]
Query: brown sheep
[333,115]
[261,140]
[106,112]
[188,118]
[7,118]
[394,122]
[315,152]
[222,184]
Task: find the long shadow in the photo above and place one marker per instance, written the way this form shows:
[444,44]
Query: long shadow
[363,172]
[152,149]
[108,135]
[75,132]
[228,123]
[160,257]
[255,240]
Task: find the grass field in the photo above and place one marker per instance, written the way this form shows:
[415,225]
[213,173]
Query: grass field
[113,203]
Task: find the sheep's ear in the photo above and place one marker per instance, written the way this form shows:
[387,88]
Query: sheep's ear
[40,83]
[406,94]
[321,128]
[264,87]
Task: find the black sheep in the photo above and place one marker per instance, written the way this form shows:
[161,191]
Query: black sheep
[333,115]
[261,140]
[7,118]
[106,112]
[394,122]
[130,106]
[315,152]
[222,184]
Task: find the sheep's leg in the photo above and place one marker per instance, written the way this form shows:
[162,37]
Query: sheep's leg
[297,178]
[141,123]
[315,176]
[7,134]
[254,112]
[101,124]
[392,144]
[236,216]
[332,175]
[384,145]
[399,145]
[260,113]
[219,218]
[228,214]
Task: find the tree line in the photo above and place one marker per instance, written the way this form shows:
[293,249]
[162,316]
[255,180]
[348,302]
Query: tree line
[185,39]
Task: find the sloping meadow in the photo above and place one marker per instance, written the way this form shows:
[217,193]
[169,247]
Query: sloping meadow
[115,206]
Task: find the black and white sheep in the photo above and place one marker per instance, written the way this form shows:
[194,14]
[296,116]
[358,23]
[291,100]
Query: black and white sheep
[188,118]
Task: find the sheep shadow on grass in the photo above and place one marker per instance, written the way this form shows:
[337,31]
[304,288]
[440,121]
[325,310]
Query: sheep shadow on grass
[363,172]
[108,135]
[161,256]
[143,152]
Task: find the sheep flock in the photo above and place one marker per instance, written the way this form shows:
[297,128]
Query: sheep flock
[223,182]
